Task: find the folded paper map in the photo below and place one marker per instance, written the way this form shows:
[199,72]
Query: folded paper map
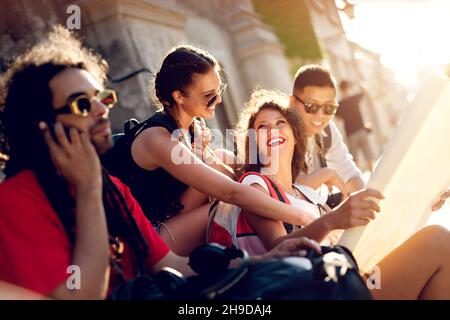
[412,172]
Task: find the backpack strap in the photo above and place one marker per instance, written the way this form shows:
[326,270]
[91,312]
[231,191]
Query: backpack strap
[132,128]
[129,125]
[280,194]
[274,190]
[327,139]
[322,209]
[325,144]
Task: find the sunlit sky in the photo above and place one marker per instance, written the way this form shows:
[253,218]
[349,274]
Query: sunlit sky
[410,35]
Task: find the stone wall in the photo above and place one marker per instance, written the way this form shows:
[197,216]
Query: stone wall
[135,34]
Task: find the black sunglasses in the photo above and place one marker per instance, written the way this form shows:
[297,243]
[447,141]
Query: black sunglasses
[81,105]
[328,108]
[220,91]
[213,99]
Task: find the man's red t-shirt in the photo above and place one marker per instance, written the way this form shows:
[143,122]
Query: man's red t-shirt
[34,249]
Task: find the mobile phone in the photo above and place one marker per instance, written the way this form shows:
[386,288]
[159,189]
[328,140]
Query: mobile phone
[51,127]
[334,199]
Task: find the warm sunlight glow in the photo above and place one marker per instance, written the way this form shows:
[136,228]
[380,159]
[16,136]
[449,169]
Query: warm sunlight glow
[412,38]
[411,35]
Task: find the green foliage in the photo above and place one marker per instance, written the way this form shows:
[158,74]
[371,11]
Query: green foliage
[292,24]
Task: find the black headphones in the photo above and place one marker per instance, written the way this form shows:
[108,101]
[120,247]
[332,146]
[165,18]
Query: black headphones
[214,258]
[210,262]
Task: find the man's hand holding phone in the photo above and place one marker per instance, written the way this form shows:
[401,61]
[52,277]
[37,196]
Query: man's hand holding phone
[73,155]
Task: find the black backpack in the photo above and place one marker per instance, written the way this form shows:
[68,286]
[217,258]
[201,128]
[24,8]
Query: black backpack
[118,161]
[334,275]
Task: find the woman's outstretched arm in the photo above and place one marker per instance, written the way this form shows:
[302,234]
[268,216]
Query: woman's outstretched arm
[154,148]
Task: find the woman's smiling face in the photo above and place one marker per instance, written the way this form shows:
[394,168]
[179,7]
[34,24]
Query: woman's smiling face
[274,135]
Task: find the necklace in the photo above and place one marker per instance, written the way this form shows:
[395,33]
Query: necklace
[293,192]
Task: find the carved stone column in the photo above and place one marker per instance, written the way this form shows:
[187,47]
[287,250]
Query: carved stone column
[131,34]
[257,47]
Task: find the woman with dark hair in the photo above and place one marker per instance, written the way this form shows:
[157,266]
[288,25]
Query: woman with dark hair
[417,269]
[174,193]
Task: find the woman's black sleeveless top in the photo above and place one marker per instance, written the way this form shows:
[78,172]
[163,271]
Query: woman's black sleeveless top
[157,191]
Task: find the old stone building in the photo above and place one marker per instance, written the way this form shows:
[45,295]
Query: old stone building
[135,34]
[254,50]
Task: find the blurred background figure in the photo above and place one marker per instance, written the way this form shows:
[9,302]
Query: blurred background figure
[355,128]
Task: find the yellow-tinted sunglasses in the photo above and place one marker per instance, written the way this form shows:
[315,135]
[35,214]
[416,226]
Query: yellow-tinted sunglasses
[81,105]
